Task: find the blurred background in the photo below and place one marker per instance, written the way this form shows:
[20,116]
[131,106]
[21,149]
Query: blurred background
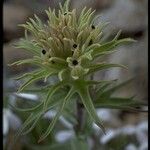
[131,16]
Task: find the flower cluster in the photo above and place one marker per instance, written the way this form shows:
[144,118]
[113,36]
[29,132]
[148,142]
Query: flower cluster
[66,47]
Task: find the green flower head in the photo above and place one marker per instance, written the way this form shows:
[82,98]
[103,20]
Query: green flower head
[66,47]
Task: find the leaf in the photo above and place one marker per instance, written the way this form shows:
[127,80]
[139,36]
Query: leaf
[119,103]
[29,129]
[15,63]
[102,66]
[33,61]
[106,47]
[28,109]
[33,119]
[29,46]
[66,6]
[69,111]
[110,91]
[62,105]
[25,124]
[38,90]
[89,18]
[82,14]
[103,98]
[102,87]
[84,17]
[92,82]
[82,90]
[51,92]
[28,74]
[36,77]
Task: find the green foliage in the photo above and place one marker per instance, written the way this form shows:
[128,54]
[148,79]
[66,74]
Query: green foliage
[104,98]
[66,47]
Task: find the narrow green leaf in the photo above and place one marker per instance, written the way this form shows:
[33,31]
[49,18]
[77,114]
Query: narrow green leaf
[29,120]
[28,109]
[81,15]
[32,61]
[14,63]
[101,87]
[26,75]
[119,103]
[51,92]
[36,77]
[102,66]
[29,129]
[86,99]
[34,117]
[66,6]
[29,46]
[110,91]
[92,82]
[68,113]
[110,45]
[62,105]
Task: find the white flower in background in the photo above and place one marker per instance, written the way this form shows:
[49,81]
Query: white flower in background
[10,120]
[131,147]
[142,135]
[127,130]
[144,146]
[110,135]
[5,123]
[63,136]
[106,115]
[27,96]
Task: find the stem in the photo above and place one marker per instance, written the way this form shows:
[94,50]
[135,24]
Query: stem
[96,145]
[80,118]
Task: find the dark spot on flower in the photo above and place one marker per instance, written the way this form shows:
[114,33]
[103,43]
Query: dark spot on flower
[91,42]
[74,62]
[43,51]
[65,13]
[93,27]
[74,45]
[52,62]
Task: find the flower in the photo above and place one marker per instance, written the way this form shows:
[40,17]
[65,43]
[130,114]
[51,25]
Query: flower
[65,47]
